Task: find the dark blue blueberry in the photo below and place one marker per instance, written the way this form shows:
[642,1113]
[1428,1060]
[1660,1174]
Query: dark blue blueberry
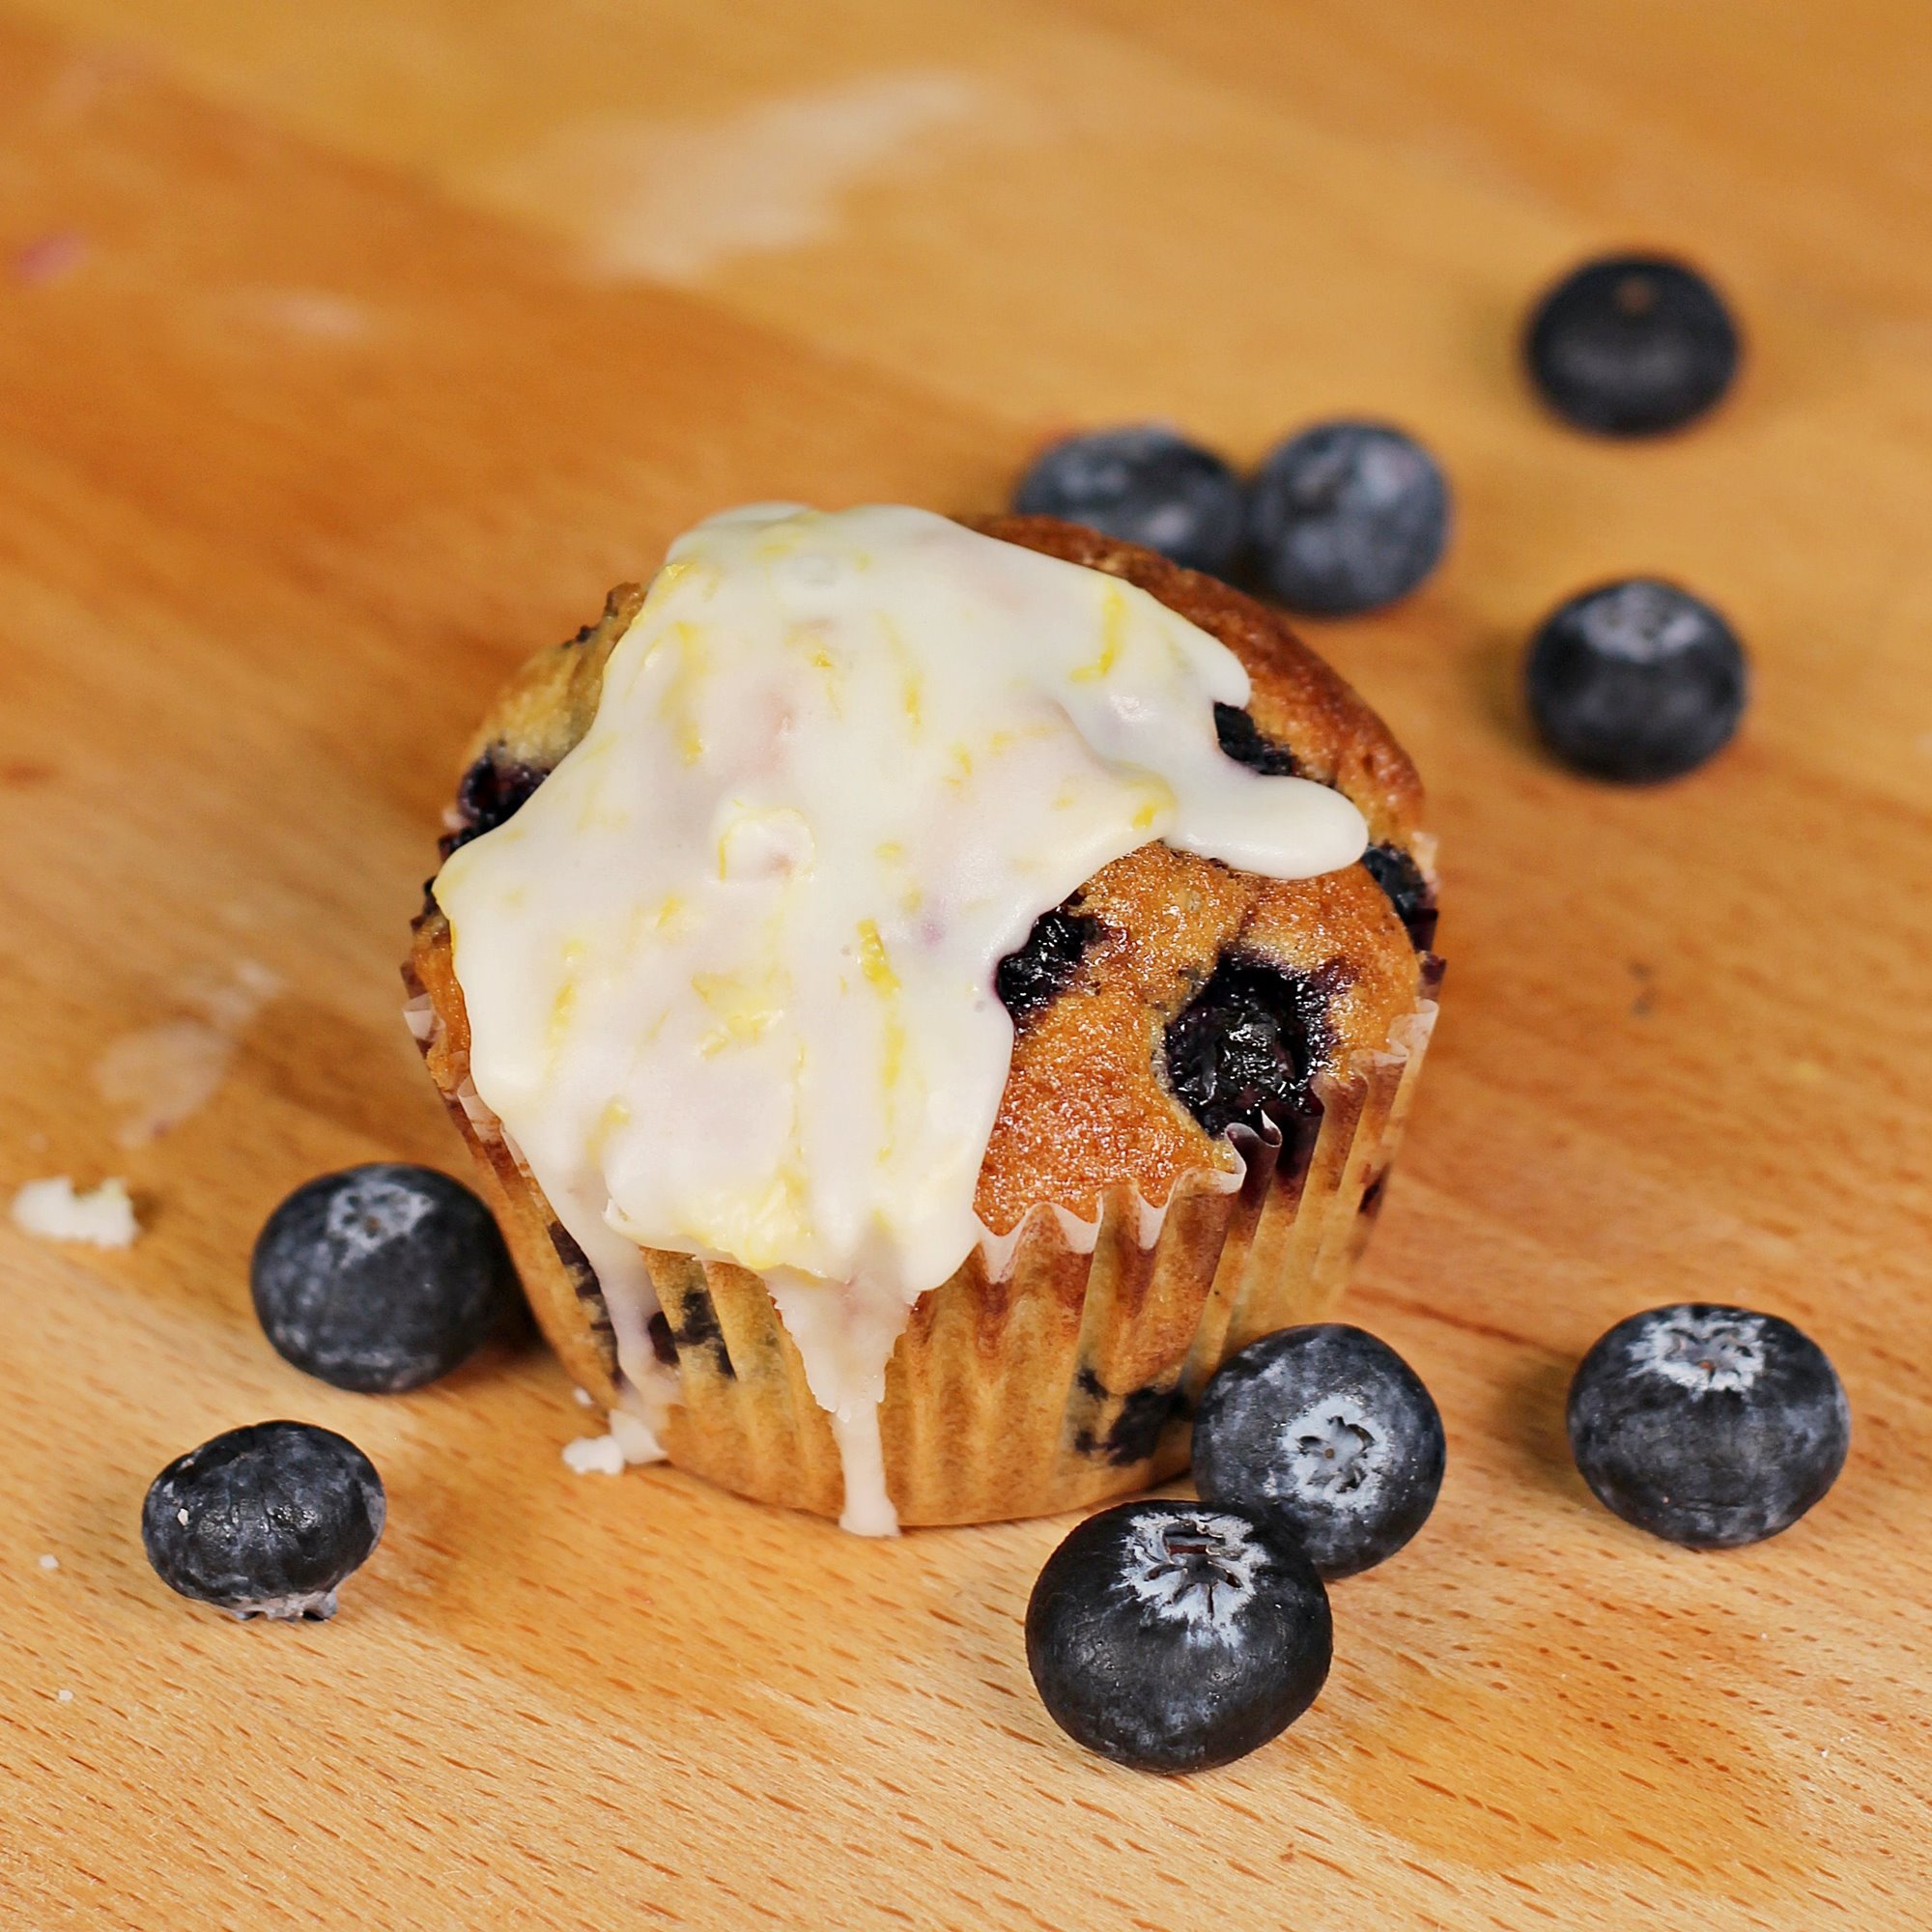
[1244,741]
[1138,1423]
[1631,345]
[1637,681]
[1044,967]
[265,1522]
[664,1343]
[1172,1637]
[381,1278]
[1143,485]
[493,791]
[1244,1049]
[694,1327]
[1708,1426]
[1329,1434]
[1347,517]
[1400,878]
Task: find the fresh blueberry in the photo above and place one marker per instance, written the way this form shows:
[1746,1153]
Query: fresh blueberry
[1631,345]
[1637,681]
[265,1522]
[1708,1426]
[1243,1050]
[1347,517]
[1329,1433]
[1143,485]
[1172,1637]
[381,1278]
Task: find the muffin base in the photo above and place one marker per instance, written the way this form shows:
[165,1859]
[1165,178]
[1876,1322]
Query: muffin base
[1057,1366]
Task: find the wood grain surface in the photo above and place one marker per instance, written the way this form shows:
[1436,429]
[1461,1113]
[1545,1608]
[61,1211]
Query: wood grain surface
[348,352]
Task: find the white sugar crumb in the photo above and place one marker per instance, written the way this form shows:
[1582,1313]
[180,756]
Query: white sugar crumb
[55,1211]
[49,1562]
[584,1399]
[64,1696]
[595,1456]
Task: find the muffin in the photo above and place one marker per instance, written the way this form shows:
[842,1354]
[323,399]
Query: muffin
[966,983]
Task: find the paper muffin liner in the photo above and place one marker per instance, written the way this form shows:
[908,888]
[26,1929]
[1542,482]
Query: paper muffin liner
[1059,1365]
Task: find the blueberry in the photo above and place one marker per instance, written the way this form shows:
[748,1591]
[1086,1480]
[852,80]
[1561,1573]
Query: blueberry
[1138,1424]
[1400,878]
[1630,345]
[1244,1049]
[1327,1432]
[1347,517]
[1172,1637]
[1044,967]
[1143,485]
[1246,742]
[494,790]
[1637,681]
[265,1522]
[381,1278]
[1708,1426]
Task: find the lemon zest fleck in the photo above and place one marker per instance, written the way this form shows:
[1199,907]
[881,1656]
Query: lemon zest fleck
[873,959]
[678,704]
[1112,639]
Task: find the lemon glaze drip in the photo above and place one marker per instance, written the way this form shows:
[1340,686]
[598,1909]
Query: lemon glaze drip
[840,764]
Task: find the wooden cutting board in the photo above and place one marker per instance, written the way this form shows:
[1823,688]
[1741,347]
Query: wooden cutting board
[349,352]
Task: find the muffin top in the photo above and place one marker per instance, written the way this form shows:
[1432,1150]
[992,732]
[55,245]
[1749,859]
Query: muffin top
[860,805]
[1169,996]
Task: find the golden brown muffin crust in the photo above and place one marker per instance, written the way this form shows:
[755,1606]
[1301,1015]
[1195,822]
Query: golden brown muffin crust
[1087,1101]
[552,700]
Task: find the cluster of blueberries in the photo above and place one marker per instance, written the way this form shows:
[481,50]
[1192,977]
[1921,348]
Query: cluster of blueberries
[1634,680]
[1167,1634]
[379,1279]
[1175,1636]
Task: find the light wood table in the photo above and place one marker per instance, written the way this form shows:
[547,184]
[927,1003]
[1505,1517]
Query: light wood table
[348,352]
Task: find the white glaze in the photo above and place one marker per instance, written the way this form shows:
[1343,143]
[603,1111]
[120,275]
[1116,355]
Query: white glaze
[729,972]
[56,1211]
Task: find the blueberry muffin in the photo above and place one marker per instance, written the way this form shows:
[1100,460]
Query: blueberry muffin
[1208,1077]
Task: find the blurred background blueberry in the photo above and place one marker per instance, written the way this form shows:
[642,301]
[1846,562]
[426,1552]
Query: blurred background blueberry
[1347,517]
[1144,484]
